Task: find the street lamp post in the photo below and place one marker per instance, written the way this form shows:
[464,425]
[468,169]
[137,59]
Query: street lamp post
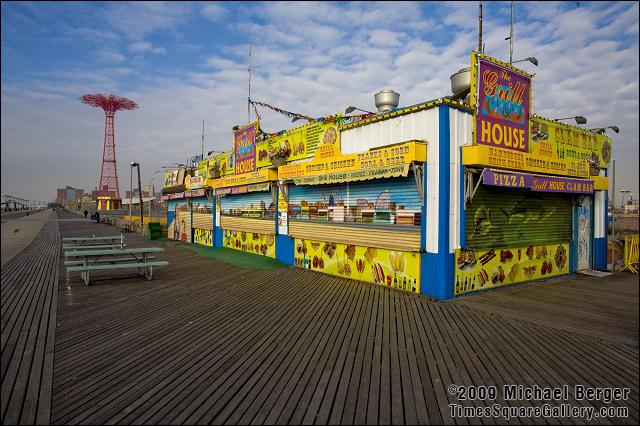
[151,198]
[140,193]
[133,164]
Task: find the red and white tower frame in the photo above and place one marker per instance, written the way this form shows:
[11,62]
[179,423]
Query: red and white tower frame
[109,190]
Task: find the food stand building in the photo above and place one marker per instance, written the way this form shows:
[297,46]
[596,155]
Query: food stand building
[441,198]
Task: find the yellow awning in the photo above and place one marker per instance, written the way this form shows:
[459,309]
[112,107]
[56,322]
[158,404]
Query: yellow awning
[259,176]
[356,175]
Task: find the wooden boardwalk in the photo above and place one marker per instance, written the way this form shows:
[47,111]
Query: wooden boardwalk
[207,342]
[29,296]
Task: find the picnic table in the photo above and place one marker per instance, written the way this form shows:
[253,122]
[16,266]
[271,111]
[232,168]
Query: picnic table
[104,259]
[93,242]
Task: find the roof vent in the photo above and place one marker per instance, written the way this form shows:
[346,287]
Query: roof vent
[461,82]
[386,100]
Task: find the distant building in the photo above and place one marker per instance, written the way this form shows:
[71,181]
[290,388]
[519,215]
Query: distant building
[68,194]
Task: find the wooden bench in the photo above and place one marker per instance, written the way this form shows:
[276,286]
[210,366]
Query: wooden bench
[105,259]
[93,247]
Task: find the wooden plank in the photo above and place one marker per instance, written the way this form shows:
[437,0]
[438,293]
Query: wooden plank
[212,343]
[31,279]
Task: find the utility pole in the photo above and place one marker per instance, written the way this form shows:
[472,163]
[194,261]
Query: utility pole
[203,138]
[511,37]
[249,98]
[480,31]
[140,192]
[613,217]
[130,189]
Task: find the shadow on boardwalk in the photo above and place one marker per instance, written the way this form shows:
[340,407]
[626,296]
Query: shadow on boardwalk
[208,342]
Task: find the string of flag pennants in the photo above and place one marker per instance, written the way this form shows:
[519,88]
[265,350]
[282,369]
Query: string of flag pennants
[281,111]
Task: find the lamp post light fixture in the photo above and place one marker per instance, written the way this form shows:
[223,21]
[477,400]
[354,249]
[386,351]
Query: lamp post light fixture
[136,165]
[531,59]
[133,164]
[151,198]
[579,119]
[350,109]
[601,130]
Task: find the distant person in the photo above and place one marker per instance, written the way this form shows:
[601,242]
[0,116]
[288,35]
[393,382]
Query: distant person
[86,213]
[97,217]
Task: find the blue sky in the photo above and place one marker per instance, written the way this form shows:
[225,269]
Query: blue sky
[187,61]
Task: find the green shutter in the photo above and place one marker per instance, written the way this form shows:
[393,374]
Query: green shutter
[499,217]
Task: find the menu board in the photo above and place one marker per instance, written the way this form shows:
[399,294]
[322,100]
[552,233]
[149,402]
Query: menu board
[553,140]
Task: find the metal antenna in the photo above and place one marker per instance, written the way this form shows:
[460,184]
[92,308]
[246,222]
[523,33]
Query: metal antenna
[480,50]
[249,98]
[511,37]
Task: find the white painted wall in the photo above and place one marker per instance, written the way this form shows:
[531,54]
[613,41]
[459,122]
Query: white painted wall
[599,215]
[460,124]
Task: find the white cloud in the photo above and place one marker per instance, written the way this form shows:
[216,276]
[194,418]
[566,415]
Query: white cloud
[326,57]
[139,19]
[214,12]
[145,46]
[385,38]
[110,56]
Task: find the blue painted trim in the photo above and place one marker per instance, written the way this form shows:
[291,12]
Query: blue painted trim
[606,225]
[573,244]
[428,273]
[423,217]
[285,249]
[600,253]
[592,235]
[275,217]
[191,231]
[217,236]
[463,212]
[445,260]
[438,273]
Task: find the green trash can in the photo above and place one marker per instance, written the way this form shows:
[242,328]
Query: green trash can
[154,230]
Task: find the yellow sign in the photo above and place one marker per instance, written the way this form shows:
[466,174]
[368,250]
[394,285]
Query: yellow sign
[356,175]
[600,183]
[483,269]
[396,269]
[223,163]
[301,142]
[482,155]
[394,155]
[553,140]
[168,179]
[203,236]
[259,176]
[250,242]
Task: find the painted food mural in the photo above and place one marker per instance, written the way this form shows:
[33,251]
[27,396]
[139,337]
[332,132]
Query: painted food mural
[483,269]
[379,266]
[250,242]
[203,237]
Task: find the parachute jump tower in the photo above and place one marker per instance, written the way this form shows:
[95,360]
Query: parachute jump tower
[109,191]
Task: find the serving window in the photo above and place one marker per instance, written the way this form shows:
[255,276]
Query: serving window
[254,205]
[383,202]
